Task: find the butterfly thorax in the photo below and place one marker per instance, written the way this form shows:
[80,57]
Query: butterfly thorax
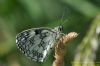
[58,30]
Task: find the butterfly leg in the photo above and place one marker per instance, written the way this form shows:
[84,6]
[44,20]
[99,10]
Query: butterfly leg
[62,34]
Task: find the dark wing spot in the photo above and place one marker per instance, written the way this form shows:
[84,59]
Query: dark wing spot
[38,31]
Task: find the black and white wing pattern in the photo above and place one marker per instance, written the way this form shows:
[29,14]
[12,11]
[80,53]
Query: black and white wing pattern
[36,43]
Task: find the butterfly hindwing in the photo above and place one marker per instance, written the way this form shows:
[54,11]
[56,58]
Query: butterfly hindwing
[36,43]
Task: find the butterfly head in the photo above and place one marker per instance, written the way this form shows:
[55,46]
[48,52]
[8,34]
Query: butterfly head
[59,28]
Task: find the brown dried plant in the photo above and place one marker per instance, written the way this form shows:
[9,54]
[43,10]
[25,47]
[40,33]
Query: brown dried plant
[60,50]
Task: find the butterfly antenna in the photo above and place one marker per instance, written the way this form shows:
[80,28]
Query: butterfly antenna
[62,18]
[64,21]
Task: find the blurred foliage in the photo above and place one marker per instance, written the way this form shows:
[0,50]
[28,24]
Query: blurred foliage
[19,15]
[86,51]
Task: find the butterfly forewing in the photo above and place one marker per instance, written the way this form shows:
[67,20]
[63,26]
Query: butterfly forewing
[36,43]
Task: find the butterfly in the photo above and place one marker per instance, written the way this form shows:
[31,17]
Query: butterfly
[36,43]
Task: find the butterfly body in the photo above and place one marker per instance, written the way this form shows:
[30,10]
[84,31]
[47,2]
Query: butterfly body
[36,43]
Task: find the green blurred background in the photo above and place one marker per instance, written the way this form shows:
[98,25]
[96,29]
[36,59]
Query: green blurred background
[81,16]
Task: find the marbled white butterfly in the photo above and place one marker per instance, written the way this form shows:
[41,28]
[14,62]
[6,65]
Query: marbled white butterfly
[36,43]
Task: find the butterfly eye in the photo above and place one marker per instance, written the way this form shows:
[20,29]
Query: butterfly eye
[60,28]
